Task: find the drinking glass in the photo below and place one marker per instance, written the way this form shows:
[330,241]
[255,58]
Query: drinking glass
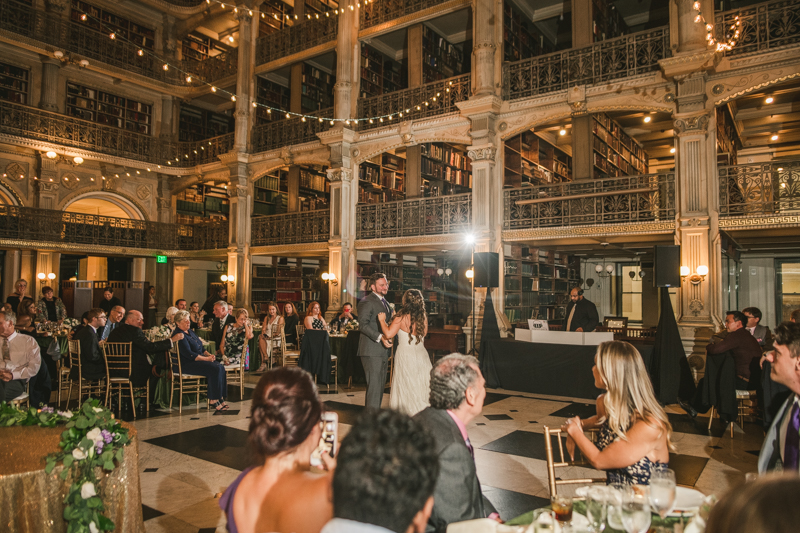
[562,507]
[614,495]
[635,512]
[546,524]
[597,508]
[662,491]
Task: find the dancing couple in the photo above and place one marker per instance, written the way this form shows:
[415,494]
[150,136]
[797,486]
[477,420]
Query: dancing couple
[379,326]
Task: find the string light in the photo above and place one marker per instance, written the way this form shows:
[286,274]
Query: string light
[732,35]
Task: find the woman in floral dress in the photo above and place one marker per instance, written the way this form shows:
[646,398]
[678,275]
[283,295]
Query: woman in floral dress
[235,340]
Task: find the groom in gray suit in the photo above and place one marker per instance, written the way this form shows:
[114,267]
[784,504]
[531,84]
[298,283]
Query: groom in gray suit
[781,448]
[373,348]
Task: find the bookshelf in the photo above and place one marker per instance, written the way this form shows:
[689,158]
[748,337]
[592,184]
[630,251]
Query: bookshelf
[380,74]
[197,124]
[440,58]
[200,47]
[536,283]
[103,21]
[530,160]
[202,203]
[522,39]
[607,21]
[274,16]
[317,90]
[382,179]
[728,141]
[445,170]
[14,83]
[272,94]
[293,280]
[268,198]
[315,189]
[320,6]
[615,153]
[108,109]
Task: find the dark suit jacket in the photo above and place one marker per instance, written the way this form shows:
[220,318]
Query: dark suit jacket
[458,495]
[742,346]
[764,337]
[585,316]
[217,328]
[108,305]
[368,309]
[93,365]
[140,366]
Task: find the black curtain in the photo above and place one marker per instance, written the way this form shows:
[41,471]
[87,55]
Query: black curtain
[489,329]
[670,372]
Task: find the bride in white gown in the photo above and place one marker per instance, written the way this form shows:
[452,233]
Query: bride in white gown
[412,365]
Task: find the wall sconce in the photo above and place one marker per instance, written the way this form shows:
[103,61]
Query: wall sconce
[700,274]
[470,273]
[43,277]
[330,277]
[228,279]
[604,272]
[632,274]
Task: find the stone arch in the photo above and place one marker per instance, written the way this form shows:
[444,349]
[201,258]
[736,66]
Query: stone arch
[131,207]
[217,177]
[367,151]
[9,196]
[731,88]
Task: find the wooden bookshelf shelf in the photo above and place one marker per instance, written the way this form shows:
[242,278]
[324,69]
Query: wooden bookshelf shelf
[440,58]
[292,280]
[275,16]
[104,21]
[382,179]
[380,74]
[202,203]
[530,160]
[272,94]
[268,198]
[315,189]
[108,109]
[615,153]
[607,21]
[317,89]
[14,84]
[522,39]
[445,170]
[536,283]
[197,124]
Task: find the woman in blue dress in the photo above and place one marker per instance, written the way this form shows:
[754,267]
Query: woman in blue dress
[634,432]
[196,360]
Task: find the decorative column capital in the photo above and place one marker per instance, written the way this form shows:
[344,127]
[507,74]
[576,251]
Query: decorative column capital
[336,175]
[243,13]
[692,125]
[487,153]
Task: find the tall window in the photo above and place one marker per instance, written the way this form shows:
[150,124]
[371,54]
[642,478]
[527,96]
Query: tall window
[630,300]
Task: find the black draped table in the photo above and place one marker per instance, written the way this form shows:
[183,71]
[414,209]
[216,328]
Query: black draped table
[552,369]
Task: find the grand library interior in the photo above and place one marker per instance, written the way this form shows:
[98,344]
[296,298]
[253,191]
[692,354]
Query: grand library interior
[493,155]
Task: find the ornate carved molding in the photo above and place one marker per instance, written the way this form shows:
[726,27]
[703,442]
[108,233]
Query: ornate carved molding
[738,85]
[692,125]
[47,186]
[289,248]
[643,228]
[401,242]
[759,222]
[488,153]
[336,175]
[241,191]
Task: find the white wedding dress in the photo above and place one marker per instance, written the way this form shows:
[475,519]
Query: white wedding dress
[411,378]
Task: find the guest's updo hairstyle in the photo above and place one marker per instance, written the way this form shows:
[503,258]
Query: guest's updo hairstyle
[284,411]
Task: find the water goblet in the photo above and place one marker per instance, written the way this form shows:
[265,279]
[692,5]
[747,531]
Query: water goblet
[597,508]
[662,491]
[614,497]
[635,512]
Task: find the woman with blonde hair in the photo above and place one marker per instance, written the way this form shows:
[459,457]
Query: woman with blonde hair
[634,432]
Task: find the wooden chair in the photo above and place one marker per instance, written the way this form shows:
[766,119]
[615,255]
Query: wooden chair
[23,399]
[301,330]
[276,343]
[554,481]
[86,387]
[742,396]
[234,373]
[334,372]
[189,383]
[289,357]
[62,375]
[118,361]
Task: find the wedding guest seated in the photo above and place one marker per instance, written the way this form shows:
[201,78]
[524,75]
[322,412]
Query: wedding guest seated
[195,360]
[196,315]
[93,366]
[278,493]
[115,318]
[219,295]
[15,298]
[180,303]
[50,308]
[169,318]
[271,319]
[221,319]
[635,435]
[26,316]
[344,316]
[290,321]
[385,476]
[84,322]
[141,348]
[21,355]
[235,340]
[761,333]
[766,505]
[109,301]
[314,320]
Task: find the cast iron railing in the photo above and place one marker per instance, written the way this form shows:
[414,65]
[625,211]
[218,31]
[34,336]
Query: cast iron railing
[589,202]
[291,228]
[440,96]
[279,133]
[608,60]
[389,10]
[189,154]
[294,39]
[213,68]
[438,215]
[759,189]
[27,224]
[762,26]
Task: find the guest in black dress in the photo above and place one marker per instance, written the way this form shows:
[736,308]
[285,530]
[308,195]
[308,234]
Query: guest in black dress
[196,315]
[290,321]
[196,360]
[26,317]
[314,319]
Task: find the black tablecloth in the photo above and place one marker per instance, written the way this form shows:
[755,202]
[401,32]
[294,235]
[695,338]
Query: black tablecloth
[553,369]
[349,363]
[315,355]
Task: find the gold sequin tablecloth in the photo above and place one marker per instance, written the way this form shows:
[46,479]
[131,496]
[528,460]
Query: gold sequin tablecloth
[32,501]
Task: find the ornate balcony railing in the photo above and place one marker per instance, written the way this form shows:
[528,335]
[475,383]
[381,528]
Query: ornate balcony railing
[441,97]
[439,215]
[214,68]
[612,59]
[763,26]
[29,224]
[644,198]
[291,228]
[759,189]
[294,39]
[389,10]
[279,133]
[32,123]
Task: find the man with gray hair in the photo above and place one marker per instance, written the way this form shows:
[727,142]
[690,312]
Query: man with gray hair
[20,358]
[457,395]
[221,319]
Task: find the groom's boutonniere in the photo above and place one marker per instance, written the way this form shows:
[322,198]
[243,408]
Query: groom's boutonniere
[391,306]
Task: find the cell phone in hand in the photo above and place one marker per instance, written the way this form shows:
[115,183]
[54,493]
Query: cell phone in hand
[328,439]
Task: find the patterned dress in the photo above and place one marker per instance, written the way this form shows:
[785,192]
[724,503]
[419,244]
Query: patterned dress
[234,343]
[636,474]
[316,323]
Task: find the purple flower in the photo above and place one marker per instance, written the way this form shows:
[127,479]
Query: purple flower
[99,448]
[48,410]
[107,436]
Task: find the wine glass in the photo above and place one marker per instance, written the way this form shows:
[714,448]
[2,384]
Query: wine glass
[662,491]
[614,497]
[635,511]
[596,508]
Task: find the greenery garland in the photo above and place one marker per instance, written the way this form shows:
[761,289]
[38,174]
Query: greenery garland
[93,438]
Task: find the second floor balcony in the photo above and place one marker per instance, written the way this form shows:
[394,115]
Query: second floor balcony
[760,189]
[291,228]
[417,217]
[279,133]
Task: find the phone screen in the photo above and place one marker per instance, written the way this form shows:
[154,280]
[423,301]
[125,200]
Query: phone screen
[328,438]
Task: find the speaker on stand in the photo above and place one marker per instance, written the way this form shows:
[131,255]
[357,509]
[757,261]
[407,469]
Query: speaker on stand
[667,266]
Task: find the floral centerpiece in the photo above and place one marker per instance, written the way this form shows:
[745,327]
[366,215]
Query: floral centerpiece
[71,322]
[160,332]
[92,439]
[351,325]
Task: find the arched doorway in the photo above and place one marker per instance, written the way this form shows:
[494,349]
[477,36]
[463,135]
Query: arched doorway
[104,204]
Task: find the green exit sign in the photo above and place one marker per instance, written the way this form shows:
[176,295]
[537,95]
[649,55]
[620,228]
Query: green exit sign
[161,259]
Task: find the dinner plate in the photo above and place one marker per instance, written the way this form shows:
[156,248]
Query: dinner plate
[579,521]
[687,500]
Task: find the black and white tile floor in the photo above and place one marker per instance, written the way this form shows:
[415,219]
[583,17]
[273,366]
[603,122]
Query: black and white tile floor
[187,460]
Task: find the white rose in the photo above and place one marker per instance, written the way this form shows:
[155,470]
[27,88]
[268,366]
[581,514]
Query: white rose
[87,490]
[97,409]
[78,454]
[93,528]
[94,435]
[65,414]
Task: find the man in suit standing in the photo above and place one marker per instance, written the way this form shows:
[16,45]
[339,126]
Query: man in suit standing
[581,313]
[93,366]
[781,448]
[373,349]
[131,331]
[457,395]
[221,319]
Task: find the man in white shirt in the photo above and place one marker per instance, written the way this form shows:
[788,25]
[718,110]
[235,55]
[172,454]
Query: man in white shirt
[781,448]
[20,358]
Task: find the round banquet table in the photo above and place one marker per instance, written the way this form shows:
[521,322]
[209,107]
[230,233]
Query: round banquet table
[32,501]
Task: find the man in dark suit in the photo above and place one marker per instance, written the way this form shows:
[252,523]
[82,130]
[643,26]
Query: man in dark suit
[221,319]
[131,331]
[114,319]
[457,395]
[373,349]
[93,366]
[581,313]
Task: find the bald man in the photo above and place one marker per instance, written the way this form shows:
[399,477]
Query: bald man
[142,363]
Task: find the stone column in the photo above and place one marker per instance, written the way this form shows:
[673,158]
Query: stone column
[241,193]
[341,249]
[164,199]
[169,37]
[166,128]
[139,270]
[348,65]
[691,34]
[27,271]
[244,78]
[582,23]
[49,94]
[11,271]
[487,38]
